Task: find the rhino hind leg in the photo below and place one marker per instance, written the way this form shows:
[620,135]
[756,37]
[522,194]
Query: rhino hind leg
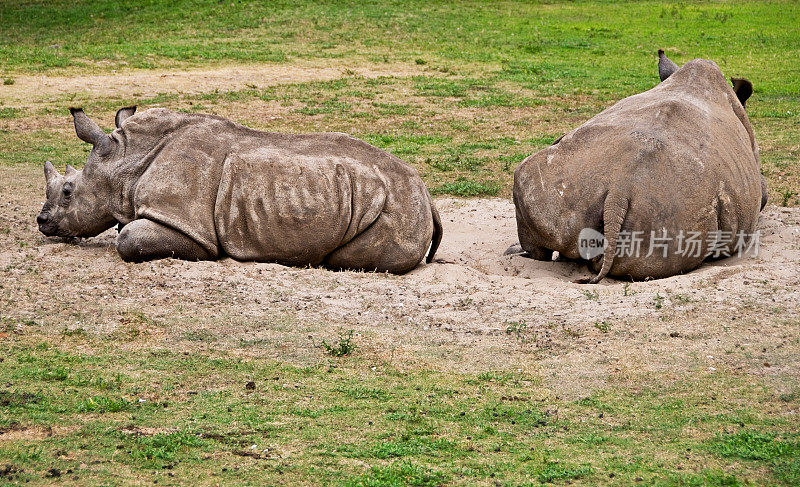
[381,248]
[515,249]
[143,239]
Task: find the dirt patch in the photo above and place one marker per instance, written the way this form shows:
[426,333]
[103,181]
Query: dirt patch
[35,89]
[475,310]
[133,430]
[252,454]
[17,432]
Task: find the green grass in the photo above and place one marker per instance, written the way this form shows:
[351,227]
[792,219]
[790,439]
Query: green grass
[532,42]
[142,415]
[8,112]
[467,187]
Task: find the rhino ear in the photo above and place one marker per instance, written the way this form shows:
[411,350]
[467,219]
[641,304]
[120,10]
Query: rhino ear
[743,89]
[665,66]
[123,114]
[69,171]
[87,130]
[49,171]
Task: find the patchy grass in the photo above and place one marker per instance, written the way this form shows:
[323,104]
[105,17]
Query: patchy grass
[8,112]
[115,416]
[514,70]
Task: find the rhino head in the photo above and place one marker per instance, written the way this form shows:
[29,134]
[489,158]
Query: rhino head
[79,202]
[741,86]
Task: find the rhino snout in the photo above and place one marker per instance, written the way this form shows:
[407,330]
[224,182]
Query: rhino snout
[46,224]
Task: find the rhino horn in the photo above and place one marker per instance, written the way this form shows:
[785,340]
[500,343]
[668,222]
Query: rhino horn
[665,66]
[69,171]
[123,114]
[49,171]
[743,89]
[87,130]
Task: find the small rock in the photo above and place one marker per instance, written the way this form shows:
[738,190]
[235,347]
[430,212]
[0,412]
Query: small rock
[250,386]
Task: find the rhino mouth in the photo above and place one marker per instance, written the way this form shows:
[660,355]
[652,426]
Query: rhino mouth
[68,239]
[48,230]
[52,231]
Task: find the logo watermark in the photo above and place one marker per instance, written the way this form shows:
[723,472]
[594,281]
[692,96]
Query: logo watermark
[592,243]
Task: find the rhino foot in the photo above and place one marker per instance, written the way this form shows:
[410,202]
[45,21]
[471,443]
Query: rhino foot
[515,249]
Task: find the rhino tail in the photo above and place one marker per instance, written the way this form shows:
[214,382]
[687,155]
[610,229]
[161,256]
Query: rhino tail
[615,209]
[437,234]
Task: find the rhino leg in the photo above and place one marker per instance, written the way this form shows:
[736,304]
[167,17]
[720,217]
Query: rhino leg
[144,239]
[381,248]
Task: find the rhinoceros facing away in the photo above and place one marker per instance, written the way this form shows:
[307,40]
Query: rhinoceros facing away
[200,187]
[669,176]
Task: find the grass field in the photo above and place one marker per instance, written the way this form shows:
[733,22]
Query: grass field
[477,87]
[167,417]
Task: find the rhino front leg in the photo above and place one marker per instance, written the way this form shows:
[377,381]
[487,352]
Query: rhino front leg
[144,239]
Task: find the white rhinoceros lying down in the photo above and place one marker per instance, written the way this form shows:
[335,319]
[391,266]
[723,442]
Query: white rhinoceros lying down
[200,187]
[669,176]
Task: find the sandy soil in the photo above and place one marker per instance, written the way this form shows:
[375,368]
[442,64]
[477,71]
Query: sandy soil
[735,315]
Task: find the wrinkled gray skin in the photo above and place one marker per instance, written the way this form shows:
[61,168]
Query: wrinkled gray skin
[679,157]
[199,187]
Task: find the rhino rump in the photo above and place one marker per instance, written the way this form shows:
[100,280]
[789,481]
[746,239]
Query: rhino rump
[678,158]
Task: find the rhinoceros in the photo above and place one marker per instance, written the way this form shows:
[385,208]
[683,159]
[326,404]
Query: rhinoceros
[664,179]
[199,187]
